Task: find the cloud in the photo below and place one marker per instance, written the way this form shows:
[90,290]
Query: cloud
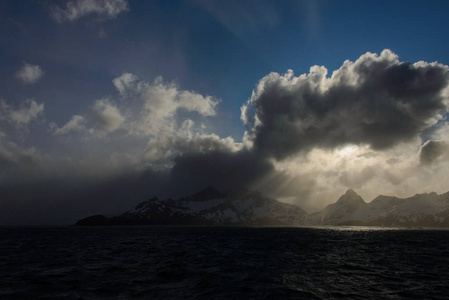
[172,143]
[203,143]
[376,100]
[112,172]
[29,74]
[163,99]
[102,118]
[164,114]
[356,179]
[224,170]
[317,178]
[29,111]
[105,116]
[125,83]
[434,151]
[18,163]
[77,9]
[25,113]
[160,102]
[308,139]
[77,123]
[171,133]
[157,116]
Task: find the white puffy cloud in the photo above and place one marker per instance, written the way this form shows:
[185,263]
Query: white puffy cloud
[125,83]
[26,112]
[29,73]
[102,118]
[162,101]
[77,123]
[80,8]
[157,116]
[105,116]
[170,135]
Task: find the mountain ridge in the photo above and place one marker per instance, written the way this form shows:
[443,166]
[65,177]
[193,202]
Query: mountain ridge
[423,210]
[207,207]
[212,207]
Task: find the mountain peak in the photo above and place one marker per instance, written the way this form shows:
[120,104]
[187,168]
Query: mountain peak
[350,197]
[351,193]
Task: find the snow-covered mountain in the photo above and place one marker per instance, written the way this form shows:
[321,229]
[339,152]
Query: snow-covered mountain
[211,207]
[340,211]
[424,210]
[208,207]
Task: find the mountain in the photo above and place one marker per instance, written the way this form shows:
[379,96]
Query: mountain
[212,207]
[207,207]
[339,212]
[422,210]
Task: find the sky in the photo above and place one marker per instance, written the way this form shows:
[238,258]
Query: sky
[106,103]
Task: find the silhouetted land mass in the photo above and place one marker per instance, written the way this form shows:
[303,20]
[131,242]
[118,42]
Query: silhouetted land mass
[212,207]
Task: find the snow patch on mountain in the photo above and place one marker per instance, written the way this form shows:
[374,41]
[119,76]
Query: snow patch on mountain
[213,207]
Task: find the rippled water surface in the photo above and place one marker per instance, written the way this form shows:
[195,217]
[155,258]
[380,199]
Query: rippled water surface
[223,262]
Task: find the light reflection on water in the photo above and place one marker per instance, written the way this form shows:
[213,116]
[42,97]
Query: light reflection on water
[359,228]
[375,228]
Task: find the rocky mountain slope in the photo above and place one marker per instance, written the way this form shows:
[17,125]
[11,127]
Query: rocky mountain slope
[425,210]
[208,207]
[211,207]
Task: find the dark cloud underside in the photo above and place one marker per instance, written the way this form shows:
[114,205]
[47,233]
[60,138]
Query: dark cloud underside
[226,171]
[432,151]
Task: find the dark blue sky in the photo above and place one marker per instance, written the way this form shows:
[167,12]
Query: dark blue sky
[95,89]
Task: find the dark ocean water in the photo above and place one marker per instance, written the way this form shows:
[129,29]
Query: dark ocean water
[223,263]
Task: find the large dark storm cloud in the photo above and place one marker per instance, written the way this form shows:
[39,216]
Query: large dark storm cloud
[377,101]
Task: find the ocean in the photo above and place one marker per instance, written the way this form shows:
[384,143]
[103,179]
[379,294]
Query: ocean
[223,263]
